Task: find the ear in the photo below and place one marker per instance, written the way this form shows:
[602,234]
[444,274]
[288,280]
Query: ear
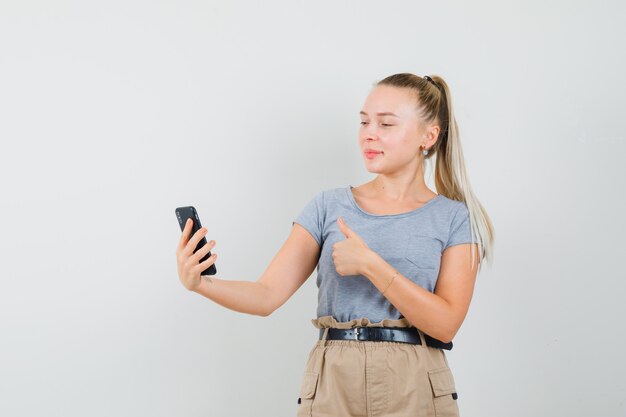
[431,134]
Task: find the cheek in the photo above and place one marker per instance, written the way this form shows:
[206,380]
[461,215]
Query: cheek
[401,151]
[409,143]
[394,145]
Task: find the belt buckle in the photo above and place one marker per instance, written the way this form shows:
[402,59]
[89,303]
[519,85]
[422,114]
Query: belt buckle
[356,333]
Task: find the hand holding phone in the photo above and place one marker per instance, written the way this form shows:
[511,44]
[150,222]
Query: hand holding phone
[190,263]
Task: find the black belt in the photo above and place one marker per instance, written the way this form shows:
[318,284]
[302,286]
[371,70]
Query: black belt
[389,334]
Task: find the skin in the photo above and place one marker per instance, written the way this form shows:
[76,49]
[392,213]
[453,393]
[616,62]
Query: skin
[398,187]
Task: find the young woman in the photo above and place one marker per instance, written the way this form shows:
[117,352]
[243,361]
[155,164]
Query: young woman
[396,263]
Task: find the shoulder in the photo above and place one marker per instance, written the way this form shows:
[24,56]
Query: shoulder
[330,194]
[452,207]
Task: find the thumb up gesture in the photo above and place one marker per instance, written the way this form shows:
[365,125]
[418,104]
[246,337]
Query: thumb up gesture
[351,254]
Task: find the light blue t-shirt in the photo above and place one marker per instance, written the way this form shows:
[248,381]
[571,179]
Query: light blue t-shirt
[412,242]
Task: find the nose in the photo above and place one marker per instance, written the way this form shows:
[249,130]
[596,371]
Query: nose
[370,132]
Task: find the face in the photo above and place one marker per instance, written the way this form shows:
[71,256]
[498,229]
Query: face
[391,127]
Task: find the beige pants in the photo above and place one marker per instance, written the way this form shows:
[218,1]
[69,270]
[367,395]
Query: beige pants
[350,378]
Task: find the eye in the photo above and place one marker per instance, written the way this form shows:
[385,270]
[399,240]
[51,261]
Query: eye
[384,124]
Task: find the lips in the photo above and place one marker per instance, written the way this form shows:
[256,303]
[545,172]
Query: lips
[371,154]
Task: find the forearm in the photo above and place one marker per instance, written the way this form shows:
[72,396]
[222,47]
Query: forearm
[242,296]
[422,308]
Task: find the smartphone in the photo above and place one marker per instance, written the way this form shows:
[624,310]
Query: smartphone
[184,213]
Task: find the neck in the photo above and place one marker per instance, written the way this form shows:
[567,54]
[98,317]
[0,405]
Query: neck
[394,189]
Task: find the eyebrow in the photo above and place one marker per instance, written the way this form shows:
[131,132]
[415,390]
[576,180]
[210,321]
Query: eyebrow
[386,113]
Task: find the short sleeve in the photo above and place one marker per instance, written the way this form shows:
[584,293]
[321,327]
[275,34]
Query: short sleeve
[460,228]
[312,217]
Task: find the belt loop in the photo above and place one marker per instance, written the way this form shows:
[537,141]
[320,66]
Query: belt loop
[422,337]
[325,335]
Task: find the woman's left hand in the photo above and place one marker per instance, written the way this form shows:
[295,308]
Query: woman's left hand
[352,254]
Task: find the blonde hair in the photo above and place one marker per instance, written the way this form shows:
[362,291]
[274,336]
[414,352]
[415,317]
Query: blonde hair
[434,104]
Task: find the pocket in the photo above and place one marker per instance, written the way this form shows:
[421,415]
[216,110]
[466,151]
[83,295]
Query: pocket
[444,392]
[424,251]
[307,394]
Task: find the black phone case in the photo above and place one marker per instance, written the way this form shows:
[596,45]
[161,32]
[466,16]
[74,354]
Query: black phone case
[184,213]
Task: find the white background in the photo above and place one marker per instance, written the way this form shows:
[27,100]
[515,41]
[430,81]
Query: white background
[114,113]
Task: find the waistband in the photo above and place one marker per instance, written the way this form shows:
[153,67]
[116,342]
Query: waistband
[407,335]
[362,329]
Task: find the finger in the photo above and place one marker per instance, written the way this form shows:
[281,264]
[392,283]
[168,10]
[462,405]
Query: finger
[203,251]
[185,234]
[193,242]
[204,265]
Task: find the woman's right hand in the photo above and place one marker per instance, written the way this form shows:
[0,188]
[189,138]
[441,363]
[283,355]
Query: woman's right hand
[188,263]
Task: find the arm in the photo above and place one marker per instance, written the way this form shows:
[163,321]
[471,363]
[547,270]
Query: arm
[288,270]
[438,314]
[242,296]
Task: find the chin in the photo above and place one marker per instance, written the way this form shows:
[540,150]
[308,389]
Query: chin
[373,170]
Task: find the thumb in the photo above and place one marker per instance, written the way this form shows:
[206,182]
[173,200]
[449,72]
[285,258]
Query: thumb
[344,228]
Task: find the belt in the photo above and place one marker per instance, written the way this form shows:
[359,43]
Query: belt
[389,334]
